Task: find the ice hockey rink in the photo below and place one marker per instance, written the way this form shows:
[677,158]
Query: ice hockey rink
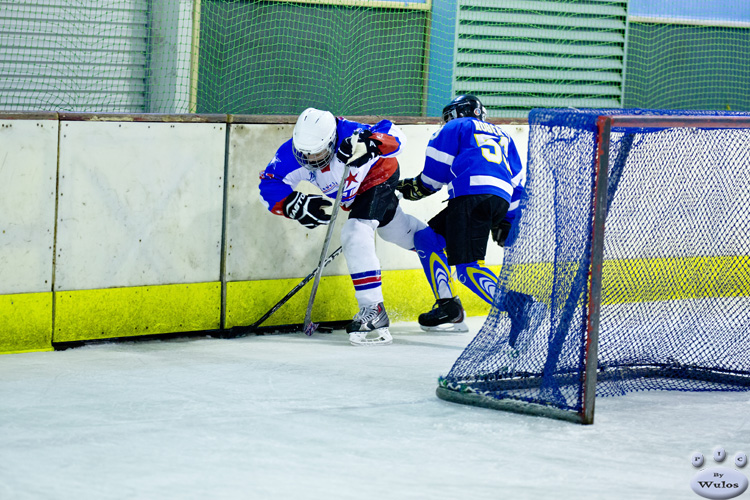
[293,417]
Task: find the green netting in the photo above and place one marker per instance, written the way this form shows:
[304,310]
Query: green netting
[688,67]
[358,57]
[280,57]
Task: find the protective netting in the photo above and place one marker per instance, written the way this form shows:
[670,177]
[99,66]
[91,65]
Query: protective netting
[271,57]
[666,67]
[675,301]
[362,57]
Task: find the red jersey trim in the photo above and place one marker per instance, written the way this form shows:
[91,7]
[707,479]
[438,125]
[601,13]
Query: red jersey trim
[380,172]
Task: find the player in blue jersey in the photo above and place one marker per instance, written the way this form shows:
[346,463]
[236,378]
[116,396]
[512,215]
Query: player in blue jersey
[485,178]
[320,146]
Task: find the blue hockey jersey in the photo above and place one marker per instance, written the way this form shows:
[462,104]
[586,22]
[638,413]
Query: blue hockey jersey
[474,157]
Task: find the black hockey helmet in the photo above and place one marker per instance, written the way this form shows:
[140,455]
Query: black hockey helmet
[466,105]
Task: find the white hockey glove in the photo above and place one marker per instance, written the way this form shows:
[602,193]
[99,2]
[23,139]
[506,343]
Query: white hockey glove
[307,209]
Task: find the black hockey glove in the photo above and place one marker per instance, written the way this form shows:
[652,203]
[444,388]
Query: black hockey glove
[500,232]
[307,209]
[357,154]
[413,189]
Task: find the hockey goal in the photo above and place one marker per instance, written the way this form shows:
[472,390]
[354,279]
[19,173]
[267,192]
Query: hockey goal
[658,300]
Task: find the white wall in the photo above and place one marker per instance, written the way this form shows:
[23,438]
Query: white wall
[141,202]
[28,173]
[262,245]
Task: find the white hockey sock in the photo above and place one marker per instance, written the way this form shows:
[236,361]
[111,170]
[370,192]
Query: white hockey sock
[401,229]
[358,241]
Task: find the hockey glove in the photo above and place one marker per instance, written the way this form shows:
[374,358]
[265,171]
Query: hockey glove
[500,232]
[413,189]
[307,209]
[357,154]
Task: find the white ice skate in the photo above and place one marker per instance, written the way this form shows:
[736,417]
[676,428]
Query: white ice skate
[370,327]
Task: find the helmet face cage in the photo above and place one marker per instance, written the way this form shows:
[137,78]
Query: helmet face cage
[315,160]
[464,106]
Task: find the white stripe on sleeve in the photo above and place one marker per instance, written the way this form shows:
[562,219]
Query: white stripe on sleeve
[439,156]
[431,183]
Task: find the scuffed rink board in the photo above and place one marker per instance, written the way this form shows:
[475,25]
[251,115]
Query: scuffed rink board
[139,228]
[28,164]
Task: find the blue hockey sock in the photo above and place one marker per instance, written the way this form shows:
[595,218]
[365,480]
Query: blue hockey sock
[430,247]
[478,278]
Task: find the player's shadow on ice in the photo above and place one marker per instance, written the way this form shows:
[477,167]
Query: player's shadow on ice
[402,336]
[426,343]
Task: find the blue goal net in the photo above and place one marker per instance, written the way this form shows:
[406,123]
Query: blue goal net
[674,307]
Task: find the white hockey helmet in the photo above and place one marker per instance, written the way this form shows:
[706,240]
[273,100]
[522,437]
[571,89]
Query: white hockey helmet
[314,138]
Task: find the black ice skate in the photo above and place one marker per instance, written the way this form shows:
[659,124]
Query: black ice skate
[447,315]
[370,318]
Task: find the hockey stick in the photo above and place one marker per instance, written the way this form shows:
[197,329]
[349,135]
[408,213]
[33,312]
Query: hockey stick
[358,149]
[242,330]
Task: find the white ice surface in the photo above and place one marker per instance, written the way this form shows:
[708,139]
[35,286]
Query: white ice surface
[291,417]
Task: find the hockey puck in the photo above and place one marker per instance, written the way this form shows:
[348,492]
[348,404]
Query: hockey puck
[325,329]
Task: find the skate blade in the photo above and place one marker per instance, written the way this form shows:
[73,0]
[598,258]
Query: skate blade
[383,338]
[447,328]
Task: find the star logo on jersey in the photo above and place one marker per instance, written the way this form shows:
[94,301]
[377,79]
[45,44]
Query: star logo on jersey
[351,179]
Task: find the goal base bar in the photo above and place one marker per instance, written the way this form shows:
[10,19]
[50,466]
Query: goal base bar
[510,405]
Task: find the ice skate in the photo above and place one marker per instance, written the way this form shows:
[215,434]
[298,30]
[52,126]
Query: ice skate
[371,320]
[447,315]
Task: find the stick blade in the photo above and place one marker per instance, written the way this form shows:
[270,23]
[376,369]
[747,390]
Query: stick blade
[310,328]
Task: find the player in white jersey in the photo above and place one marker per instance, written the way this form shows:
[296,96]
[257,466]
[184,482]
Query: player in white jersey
[320,146]
[481,167]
